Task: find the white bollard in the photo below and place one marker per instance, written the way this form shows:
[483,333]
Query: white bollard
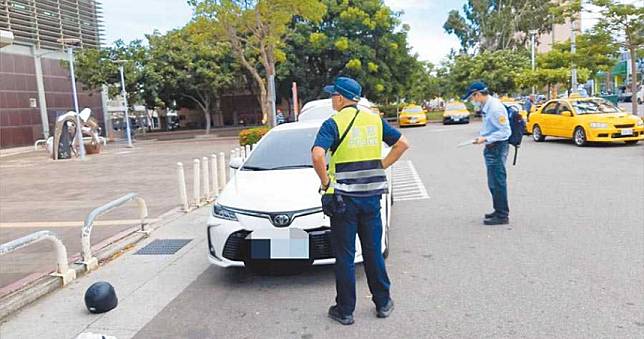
[253,148]
[206,179]
[243,153]
[214,172]
[247,147]
[181,180]
[195,182]
[238,152]
[221,166]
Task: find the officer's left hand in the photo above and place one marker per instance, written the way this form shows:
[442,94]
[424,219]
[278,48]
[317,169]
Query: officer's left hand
[480,140]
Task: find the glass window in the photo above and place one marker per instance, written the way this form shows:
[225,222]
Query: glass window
[415,109]
[550,108]
[284,149]
[594,106]
[454,106]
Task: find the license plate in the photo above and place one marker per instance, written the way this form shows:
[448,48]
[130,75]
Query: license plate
[457,119]
[627,131]
[288,243]
[412,119]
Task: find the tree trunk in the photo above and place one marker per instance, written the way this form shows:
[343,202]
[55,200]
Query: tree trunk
[208,120]
[633,80]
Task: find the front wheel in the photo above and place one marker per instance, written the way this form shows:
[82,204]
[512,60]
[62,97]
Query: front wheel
[580,137]
[631,142]
[537,135]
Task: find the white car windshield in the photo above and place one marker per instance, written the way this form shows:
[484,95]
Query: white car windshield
[279,150]
[594,106]
[413,110]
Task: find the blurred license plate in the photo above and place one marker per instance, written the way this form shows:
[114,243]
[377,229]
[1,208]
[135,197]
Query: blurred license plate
[627,131]
[288,243]
[412,119]
[457,119]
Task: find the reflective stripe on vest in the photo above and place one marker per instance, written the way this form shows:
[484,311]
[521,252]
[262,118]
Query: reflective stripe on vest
[355,168]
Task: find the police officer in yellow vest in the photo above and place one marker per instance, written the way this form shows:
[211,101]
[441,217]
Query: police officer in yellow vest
[351,192]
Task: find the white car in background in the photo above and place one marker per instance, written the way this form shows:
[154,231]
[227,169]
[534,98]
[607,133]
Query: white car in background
[270,210]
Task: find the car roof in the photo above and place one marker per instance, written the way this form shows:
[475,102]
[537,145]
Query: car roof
[322,109]
[299,125]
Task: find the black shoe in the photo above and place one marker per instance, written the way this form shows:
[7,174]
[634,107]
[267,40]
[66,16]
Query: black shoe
[490,215]
[386,310]
[335,314]
[496,221]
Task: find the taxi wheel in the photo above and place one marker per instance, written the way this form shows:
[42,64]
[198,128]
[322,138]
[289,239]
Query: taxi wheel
[579,137]
[631,142]
[537,135]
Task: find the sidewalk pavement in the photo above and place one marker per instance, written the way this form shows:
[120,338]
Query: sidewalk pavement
[144,284]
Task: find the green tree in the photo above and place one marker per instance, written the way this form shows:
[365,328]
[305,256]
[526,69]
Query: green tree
[362,38]
[625,20]
[489,25]
[185,66]
[255,30]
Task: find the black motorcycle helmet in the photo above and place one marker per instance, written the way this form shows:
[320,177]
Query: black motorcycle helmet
[100,297]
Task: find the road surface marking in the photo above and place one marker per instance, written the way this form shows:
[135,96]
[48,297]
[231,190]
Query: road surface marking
[407,183]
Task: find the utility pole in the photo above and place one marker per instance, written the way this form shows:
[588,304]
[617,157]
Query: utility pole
[573,50]
[533,34]
[124,95]
[71,42]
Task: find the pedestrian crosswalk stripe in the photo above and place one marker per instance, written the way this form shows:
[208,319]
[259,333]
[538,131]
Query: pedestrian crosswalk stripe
[406,182]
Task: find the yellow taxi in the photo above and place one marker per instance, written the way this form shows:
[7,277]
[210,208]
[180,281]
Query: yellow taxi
[585,120]
[516,104]
[412,115]
[456,113]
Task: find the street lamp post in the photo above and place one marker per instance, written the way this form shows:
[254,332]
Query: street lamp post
[124,95]
[533,34]
[573,50]
[70,54]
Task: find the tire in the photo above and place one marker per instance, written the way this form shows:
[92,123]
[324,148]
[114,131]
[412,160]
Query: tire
[579,137]
[631,142]
[537,135]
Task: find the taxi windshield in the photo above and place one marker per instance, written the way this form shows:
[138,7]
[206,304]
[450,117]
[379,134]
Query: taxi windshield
[594,106]
[455,106]
[415,109]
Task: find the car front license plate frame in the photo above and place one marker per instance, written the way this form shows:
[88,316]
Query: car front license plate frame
[276,244]
[626,132]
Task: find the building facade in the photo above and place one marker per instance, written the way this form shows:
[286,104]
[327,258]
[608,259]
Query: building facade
[35,85]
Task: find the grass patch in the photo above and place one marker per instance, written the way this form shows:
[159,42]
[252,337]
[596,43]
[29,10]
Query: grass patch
[435,116]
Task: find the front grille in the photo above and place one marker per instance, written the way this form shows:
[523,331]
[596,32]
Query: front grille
[625,126]
[320,243]
[236,246]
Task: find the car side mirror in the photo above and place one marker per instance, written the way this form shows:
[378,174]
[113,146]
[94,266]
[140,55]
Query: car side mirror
[235,163]
[566,113]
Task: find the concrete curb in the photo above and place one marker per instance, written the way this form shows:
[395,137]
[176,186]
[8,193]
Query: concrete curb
[113,248]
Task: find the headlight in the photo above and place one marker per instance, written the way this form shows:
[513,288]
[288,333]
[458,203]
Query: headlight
[640,122]
[598,125]
[221,212]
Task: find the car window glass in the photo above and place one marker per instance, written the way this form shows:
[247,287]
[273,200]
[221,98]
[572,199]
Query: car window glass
[550,108]
[455,106]
[282,150]
[564,107]
[594,106]
[413,110]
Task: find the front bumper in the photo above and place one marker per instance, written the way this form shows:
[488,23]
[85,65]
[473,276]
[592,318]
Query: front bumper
[614,135]
[456,120]
[228,246]
[410,122]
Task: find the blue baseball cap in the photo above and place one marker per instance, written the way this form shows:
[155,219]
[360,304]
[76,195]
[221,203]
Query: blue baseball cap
[346,87]
[476,86]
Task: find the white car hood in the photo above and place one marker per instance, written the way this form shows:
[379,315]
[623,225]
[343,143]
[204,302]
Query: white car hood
[272,191]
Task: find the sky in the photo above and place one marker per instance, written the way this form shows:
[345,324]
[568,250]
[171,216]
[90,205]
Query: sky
[132,19]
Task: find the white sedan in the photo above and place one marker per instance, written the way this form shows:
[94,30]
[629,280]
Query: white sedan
[270,210]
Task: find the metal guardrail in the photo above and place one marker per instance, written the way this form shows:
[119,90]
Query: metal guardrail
[90,261]
[63,271]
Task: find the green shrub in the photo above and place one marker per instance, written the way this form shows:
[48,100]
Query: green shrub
[251,136]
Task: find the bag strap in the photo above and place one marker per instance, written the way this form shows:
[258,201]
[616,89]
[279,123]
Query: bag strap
[344,135]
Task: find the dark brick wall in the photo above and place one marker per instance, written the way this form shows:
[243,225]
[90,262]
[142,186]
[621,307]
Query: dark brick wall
[21,125]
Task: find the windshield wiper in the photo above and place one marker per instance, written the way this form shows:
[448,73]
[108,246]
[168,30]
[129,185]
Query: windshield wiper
[290,167]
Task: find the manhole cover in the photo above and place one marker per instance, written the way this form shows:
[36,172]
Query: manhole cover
[163,247]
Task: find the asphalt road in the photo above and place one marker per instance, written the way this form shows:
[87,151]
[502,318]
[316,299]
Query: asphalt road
[570,265]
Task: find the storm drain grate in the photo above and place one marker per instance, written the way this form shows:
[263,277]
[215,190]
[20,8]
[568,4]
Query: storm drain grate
[163,247]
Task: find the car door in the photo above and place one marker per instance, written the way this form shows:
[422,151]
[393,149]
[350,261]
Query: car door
[548,118]
[565,123]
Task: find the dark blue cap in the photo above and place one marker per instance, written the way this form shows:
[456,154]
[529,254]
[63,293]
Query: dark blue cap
[346,87]
[476,86]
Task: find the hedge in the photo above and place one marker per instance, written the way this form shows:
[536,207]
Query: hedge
[251,136]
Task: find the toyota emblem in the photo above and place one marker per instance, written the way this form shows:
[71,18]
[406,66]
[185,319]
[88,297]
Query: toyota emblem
[281,220]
